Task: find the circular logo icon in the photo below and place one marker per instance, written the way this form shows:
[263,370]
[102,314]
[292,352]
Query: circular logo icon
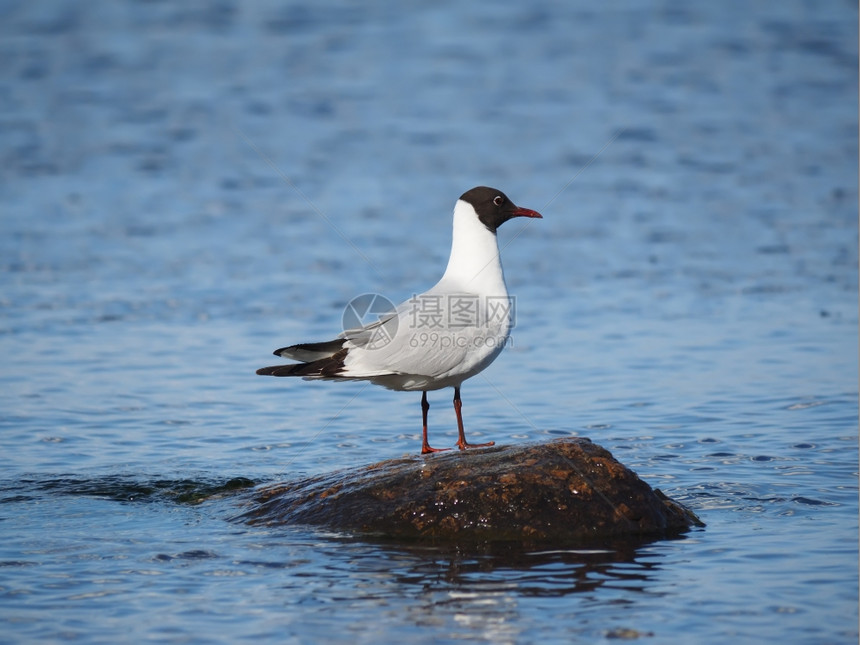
[371,315]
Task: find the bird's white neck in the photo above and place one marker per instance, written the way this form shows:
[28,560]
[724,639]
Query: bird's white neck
[474,265]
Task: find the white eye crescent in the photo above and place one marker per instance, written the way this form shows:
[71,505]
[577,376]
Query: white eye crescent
[498,200]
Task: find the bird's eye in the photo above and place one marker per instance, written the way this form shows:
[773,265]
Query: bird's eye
[498,200]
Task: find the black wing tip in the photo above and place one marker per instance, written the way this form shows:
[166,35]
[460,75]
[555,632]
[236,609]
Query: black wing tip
[329,367]
[294,369]
[328,346]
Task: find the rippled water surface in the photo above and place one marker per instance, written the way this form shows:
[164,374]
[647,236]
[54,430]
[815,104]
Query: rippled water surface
[187,186]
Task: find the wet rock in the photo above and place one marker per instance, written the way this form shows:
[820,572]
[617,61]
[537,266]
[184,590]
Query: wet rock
[560,491]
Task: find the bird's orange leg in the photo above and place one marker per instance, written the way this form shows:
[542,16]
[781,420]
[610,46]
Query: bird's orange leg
[462,444]
[425,447]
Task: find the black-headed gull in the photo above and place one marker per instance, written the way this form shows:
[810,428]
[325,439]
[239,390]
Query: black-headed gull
[436,339]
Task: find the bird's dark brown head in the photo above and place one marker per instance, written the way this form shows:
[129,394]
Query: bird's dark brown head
[493,207]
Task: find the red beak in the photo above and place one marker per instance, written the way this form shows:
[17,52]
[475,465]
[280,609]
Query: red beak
[526,212]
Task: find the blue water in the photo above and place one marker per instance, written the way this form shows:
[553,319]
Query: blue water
[185,187]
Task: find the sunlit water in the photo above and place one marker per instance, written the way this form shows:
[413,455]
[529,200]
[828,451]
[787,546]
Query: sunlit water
[184,189]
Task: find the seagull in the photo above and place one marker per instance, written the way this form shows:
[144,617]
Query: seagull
[438,338]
